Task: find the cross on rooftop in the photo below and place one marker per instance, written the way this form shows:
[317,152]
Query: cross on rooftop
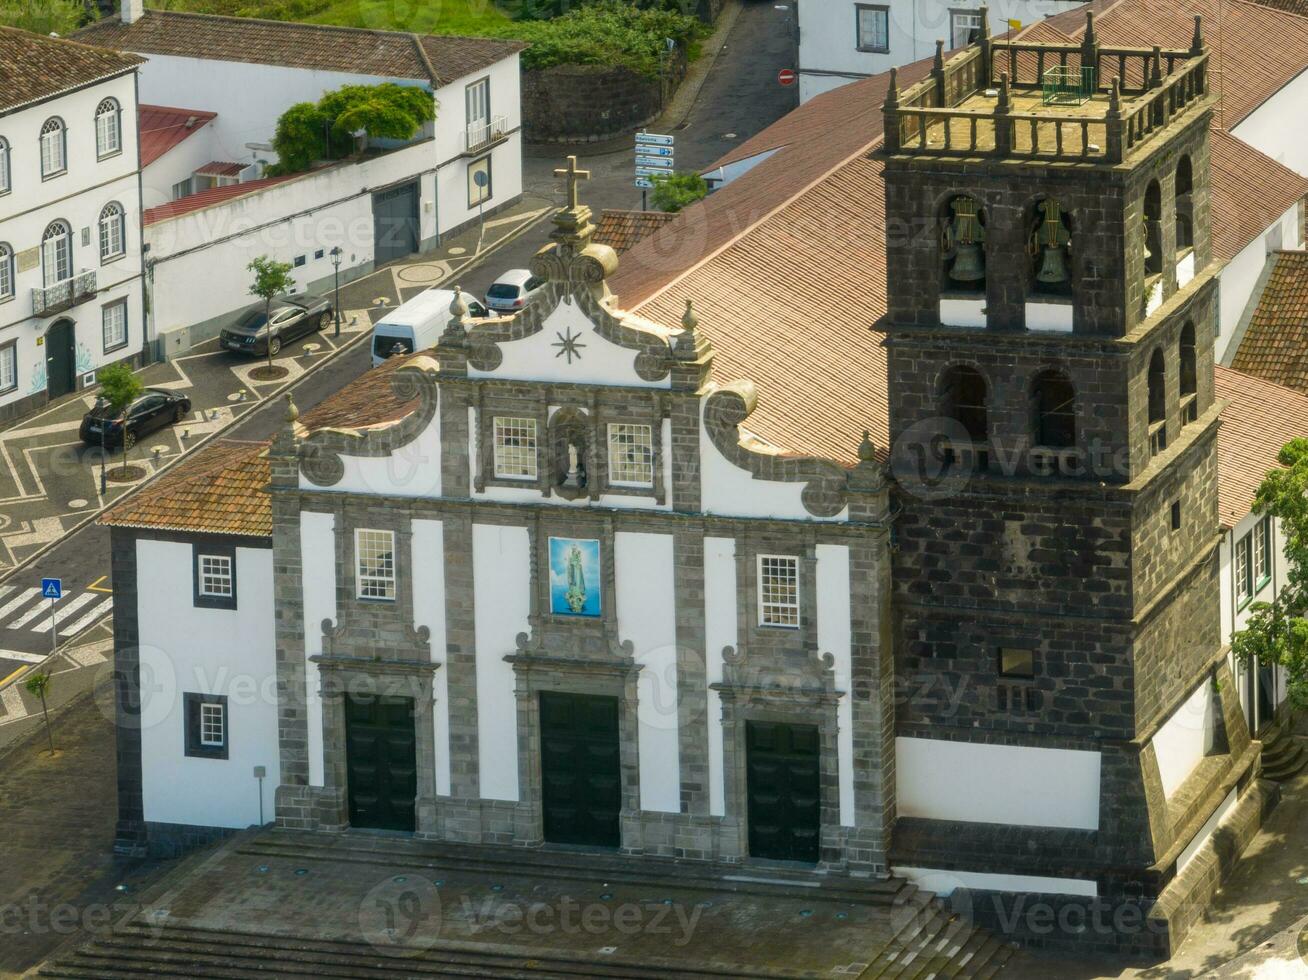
[574,176]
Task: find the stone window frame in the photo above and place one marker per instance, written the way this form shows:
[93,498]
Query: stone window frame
[750,633]
[761,562]
[355,615]
[859,10]
[118,304]
[9,349]
[357,568]
[603,417]
[200,599]
[192,714]
[646,444]
[495,447]
[487,406]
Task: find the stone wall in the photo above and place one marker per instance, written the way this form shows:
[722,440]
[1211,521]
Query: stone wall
[588,103]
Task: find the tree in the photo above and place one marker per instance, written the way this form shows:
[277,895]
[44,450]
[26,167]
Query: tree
[271,279]
[310,131]
[38,685]
[679,190]
[47,16]
[1277,631]
[119,387]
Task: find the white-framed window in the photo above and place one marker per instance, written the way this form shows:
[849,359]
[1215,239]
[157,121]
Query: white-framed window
[5,185]
[108,128]
[113,231]
[631,454]
[8,367]
[182,189]
[113,320]
[56,253]
[374,563]
[6,272]
[873,26]
[964,27]
[479,181]
[54,147]
[1262,554]
[515,448]
[216,576]
[1243,570]
[478,102]
[778,591]
[213,724]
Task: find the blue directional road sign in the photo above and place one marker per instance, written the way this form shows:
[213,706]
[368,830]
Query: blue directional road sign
[52,588]
[643,161]
[644,183]
[654,151]
[654,139]
[652,172]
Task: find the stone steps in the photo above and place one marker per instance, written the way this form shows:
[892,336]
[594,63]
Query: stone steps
[936,944]
[573,865]
[1283,756]
[137,952]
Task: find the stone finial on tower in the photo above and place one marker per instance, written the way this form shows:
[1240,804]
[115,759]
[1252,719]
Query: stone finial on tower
[292,413]
[1156,68]
[868,476]
[1090,49]
[686,345]
[938,65]
[892,93]
[572,225]
[1005,100]
[1197,41]
[984,32]
[456,330]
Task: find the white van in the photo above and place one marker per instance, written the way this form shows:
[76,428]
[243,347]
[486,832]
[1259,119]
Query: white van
[418,324]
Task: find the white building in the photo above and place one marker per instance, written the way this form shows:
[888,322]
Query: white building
[70,217]
[239,75]
[843,40]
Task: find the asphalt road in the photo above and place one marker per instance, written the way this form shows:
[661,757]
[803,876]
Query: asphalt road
[739,98]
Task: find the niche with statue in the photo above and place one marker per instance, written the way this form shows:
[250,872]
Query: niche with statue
[570,442]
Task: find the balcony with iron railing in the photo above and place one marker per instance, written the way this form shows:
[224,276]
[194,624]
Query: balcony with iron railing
[49,300]
[483,135]
[1074,102]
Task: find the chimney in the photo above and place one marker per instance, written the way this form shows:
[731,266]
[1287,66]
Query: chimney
[131,11]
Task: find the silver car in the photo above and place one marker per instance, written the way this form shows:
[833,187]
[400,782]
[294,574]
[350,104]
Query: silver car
[510,292]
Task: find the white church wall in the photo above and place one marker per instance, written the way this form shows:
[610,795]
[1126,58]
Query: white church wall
[719,632]
[189,650]
[833,633]
[1181,743]
[647,616]
[1274,126]
[501,563]
[942,882]
[428,562]
[1206,831]
[412,470]
[1240,277]
[318,584]
[1012,784]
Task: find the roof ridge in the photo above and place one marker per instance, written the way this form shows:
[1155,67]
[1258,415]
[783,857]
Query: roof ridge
[863,150]
[422,56]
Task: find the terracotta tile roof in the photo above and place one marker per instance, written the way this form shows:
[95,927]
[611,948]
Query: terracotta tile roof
[208,198]
[1289,6]
[37,67]
[163,127]
[222,489]
[221,168]
[1260,417]
[390,54]
[622,229]
[1250,190]
[1275,342]
[366,401]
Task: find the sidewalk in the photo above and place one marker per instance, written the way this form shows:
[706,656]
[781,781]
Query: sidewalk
[50,482]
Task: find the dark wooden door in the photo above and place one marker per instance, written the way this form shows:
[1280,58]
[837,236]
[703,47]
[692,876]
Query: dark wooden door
[395,223]
[381,762]
[580,777]
[783,790]
[60,359]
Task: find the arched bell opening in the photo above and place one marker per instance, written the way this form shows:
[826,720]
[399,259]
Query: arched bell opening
[1189,374]
[1157,403]
[1185,257]
[1153,247]
[962,246]
[1049,246]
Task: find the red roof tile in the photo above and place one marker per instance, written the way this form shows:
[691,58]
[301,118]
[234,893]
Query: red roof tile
[220,168]
[163,127]
[38,67]
[214,195]
[620,230]
[1275,342]
[1260,417]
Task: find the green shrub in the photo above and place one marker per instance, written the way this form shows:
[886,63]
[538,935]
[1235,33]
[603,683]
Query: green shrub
[307,131]
[677,191]
[46,16]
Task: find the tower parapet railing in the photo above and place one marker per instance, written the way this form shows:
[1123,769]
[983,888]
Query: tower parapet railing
[991,98]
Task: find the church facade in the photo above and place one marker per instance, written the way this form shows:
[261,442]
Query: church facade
[542,585]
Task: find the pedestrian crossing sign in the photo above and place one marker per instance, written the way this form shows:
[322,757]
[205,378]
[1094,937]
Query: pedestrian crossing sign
[52,588]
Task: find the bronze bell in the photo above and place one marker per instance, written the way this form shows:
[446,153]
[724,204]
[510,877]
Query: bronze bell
[969,265]
[1053,265]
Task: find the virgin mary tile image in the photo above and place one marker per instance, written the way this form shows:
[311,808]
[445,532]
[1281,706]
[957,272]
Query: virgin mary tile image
[574,577]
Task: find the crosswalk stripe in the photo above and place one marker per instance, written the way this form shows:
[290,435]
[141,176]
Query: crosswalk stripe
[12,702]
[23,658]
[63,610]
[95,612]
[6,590]
[31,614]
[27,596]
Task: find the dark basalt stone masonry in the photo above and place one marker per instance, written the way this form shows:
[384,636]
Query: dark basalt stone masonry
[1104,565]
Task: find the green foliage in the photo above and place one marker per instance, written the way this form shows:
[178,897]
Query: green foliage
[119,386]
[606,32]
[271,279]
[307,131]
[46,16]
[1277,631]
[679,190]
[37,685]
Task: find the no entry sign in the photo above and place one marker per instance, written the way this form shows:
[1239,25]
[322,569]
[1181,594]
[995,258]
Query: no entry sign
[787,76]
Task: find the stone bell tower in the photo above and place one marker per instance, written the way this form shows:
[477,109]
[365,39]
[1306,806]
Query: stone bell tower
[1052,309]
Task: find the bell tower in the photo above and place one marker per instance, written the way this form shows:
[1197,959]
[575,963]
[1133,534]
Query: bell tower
[1052,308]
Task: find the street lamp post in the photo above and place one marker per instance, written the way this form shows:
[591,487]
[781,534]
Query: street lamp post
[336,303]
[104,453]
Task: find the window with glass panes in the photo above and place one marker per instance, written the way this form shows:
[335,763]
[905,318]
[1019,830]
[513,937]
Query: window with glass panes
[56,254]
[114,319]
[213,724]
[1262,553]
[778,590]
[374,556]
[631,454]
[53,148]
[108,135]
[873,28]
[216,575]
[1243,570]
[6,272]
[515,448]
[9,367]
[112,231]
[4,166]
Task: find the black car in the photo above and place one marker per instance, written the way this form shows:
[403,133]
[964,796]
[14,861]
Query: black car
[152,410]
[292,317]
